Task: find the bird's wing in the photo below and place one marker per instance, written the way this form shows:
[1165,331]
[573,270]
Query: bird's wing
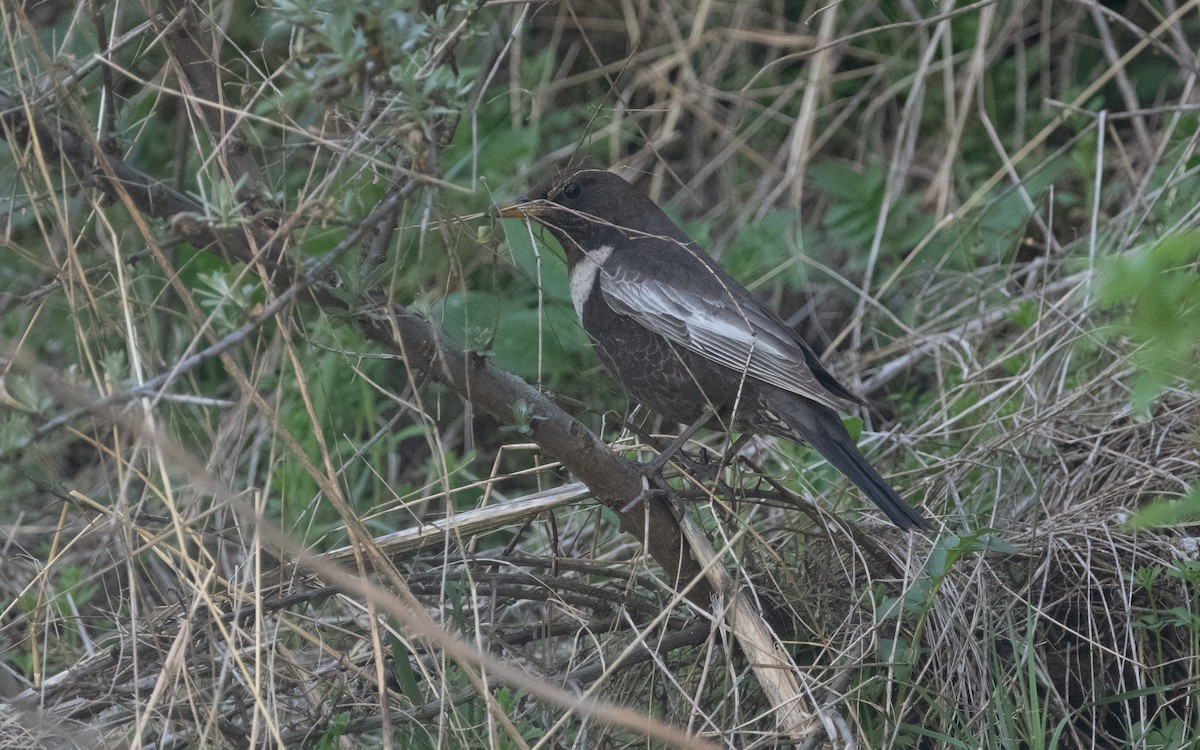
[728,328]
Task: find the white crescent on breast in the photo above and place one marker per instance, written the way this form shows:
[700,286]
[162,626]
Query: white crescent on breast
[583,275]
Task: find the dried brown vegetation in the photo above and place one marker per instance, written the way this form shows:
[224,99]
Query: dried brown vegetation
[255,498]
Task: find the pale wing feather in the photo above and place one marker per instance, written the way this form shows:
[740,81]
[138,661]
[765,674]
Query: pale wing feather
[717,330]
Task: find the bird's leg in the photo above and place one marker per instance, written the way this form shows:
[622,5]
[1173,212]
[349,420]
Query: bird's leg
[651,471]
[655,466]
[730,455]
[706,470]
[646,493]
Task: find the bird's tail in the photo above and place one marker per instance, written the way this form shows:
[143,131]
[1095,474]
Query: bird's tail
[822,428]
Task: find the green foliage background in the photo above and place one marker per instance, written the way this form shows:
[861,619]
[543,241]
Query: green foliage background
[999,253]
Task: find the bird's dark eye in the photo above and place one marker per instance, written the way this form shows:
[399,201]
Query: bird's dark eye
[571,191]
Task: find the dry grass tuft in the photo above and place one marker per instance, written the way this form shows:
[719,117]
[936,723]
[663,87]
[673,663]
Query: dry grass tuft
[148,599]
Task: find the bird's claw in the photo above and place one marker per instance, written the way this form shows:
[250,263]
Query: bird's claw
[655,466]
[646,493]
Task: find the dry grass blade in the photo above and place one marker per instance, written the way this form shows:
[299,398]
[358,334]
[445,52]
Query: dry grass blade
[288,433]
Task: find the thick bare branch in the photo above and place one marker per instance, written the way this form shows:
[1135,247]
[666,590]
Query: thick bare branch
[615,482]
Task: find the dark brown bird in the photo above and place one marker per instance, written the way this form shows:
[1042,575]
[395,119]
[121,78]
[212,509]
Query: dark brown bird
[687,340]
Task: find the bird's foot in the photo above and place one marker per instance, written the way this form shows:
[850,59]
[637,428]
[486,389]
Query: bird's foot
[655,466]
[646,493]
[699,466]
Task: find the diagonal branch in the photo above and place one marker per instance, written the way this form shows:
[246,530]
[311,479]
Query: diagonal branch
[423,348]
[24,128]
[200,79]
[614,481]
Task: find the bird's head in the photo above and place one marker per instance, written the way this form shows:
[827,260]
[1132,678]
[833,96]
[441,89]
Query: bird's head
[589,208]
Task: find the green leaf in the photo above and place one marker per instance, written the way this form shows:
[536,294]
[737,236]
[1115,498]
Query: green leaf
[523,338]
[1159,290]
[402,670]
[538,264]
[1168,512]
